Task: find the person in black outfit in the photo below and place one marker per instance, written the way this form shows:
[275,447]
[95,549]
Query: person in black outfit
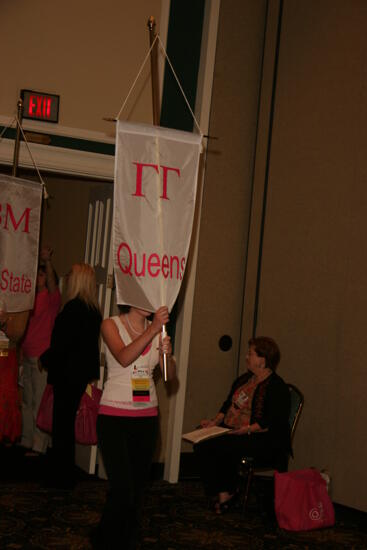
[257,410]
[72,361]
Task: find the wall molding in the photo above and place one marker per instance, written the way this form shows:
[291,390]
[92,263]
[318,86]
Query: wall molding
[71,151]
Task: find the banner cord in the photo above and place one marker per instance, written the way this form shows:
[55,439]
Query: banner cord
[44,190]
[179,85]
[157,37]
[137,78]
[15,119]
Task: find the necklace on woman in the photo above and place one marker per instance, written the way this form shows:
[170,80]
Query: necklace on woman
[132,328]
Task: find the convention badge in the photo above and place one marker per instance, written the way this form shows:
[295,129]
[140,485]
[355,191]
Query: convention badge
[241,399]
[140,384]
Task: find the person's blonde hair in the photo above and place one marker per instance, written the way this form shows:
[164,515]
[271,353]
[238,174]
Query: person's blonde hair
[82,284]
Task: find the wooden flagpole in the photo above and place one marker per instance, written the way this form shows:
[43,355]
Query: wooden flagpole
[156,120]
[154,70]
[17,138]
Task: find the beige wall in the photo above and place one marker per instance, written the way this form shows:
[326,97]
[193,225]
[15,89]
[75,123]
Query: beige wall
[87,52]
[312,296]
[225,209]
[312,292]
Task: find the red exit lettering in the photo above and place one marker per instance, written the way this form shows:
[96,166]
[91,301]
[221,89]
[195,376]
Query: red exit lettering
[39,106]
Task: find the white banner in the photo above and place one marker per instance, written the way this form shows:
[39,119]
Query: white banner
[156,172]
[20,213]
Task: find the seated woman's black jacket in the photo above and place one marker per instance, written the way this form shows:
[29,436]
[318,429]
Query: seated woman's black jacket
[73,355]
[270,408]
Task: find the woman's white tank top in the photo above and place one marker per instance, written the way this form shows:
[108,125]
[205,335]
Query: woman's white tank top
[131,388]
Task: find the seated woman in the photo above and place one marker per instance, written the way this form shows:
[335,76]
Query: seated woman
[257,409]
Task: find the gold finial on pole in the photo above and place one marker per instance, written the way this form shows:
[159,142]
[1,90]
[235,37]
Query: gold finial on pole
[151,23]
[154,70]
[17,138]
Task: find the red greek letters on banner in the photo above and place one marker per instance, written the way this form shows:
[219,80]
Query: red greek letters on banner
[20,210]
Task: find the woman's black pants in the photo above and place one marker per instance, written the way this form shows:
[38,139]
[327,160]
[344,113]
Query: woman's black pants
[127,446]
[66,402]
[219,458]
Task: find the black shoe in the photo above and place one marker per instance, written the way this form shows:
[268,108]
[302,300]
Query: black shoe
[95,538]
[59,484]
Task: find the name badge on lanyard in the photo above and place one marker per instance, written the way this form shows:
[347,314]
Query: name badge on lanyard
[140,384]
[241,399]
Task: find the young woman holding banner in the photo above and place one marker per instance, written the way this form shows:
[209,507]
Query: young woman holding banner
[127,424]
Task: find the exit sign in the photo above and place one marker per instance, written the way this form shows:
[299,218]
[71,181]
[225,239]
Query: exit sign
[40,106]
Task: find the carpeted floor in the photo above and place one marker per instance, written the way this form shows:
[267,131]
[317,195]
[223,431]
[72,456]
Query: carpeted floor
[176,517]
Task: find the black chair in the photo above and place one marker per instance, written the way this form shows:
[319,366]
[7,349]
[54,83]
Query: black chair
[249,466]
